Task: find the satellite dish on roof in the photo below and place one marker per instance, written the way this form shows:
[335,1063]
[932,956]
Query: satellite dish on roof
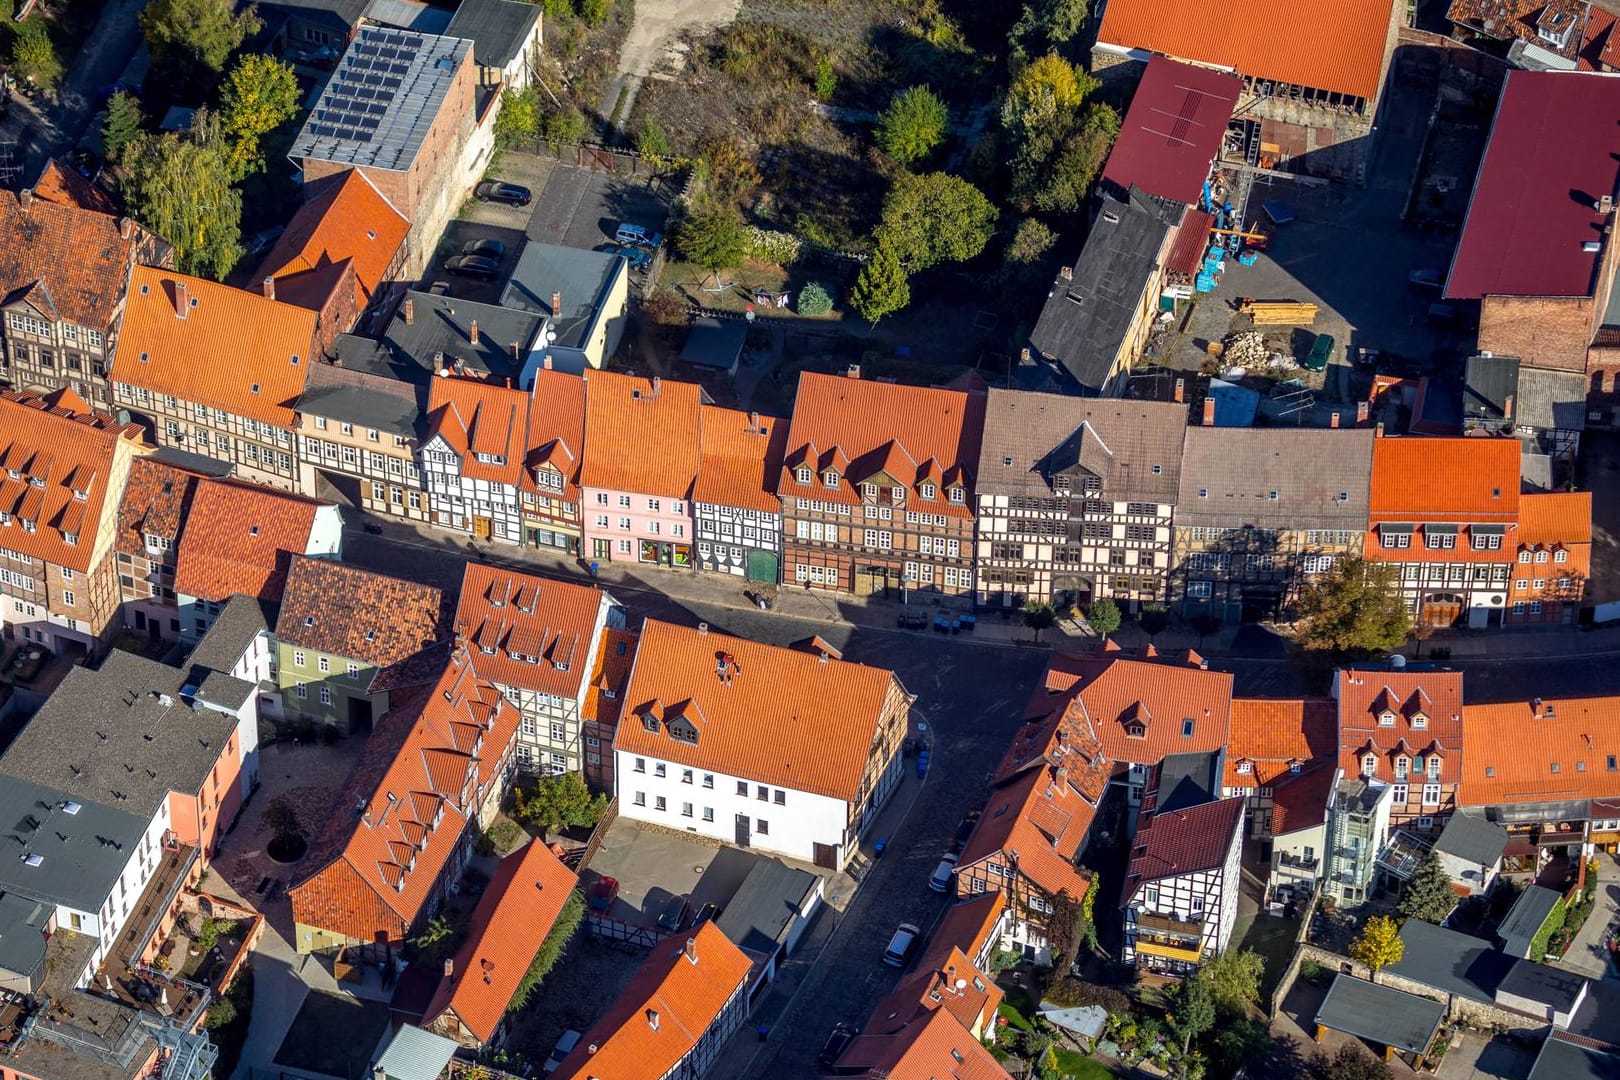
[1397,661]
[961,984]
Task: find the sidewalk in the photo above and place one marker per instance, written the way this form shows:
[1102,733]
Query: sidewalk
[1587,954]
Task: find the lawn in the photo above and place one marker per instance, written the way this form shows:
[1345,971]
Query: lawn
[333,1034]
[1273,938]
[1073,1065]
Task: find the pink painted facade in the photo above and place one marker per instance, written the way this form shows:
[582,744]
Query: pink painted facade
[634,527]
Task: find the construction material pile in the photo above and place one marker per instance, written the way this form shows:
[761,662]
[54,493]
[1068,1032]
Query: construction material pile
[1247,350]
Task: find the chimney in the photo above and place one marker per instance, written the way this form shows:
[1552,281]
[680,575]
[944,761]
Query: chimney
[657,385]
[472,331]
[1209,412]
[269,288]
[1362,409]
[1333,420]
[410,311]
[703,628]
[1060,774]
[126,226]
[1535,707]
[1181,391]
[516,350]
[25,198]
[546,363]
[691,949]
[556,305]
[181,299]
[652,1019]
[449,967]
[1378,430]
[853,371]
[1507,408]
[753,423]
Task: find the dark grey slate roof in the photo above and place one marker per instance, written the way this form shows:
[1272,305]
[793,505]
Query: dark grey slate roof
[338,12]
[233,629]
[1188,780]
[581,279]
[1529,911]
[497,28]
[1551,399]
[1550,986]
[1087,314]
[1136,446]
[439,333]
[123,735]
[366,400]
[1599,1015]
[1228,478]
[1472,839]
[1562,1059]
[715,343]
[197,463]
[1488,381]
[1455,963]
[1381,1013]
[758,916]
[22,933]
[79,854]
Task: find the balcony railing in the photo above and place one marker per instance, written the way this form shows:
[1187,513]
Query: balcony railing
[1307,864]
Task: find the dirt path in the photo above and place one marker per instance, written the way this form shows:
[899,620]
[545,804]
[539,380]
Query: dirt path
[657,25]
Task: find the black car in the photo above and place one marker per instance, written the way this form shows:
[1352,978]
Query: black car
[673,918]
[965,830]
[705,913]
[490,249]
[842,1035]
[476,266]
[499,191]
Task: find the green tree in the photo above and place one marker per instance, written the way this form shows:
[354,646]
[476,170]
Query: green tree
[518,122]
[1154,620]
[1355,607]
[651,141]
[1379,944]
[1040,101]
[713,237]
[190,40]
[1349,1062]
[560,802]
[1030,242]
[1046,23]
[220,1013]
[1192,1010]
[179,186]
[1240,1044]
[1064,183]
[913,126]
[931,218]
[1429,895]
[1039,616]
[1234,980]
[551,949]
[33,54]
[121,125]
[814,299]
[595,12]
[260,94]
[1104,616]
[881,288]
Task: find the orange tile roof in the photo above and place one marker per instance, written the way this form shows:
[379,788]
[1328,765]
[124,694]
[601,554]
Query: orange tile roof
[1546,750]
[669,1004]
[605,698]
[933,986]
[58,448]
[373,870]
[931,1048]
[966,925]
[156,501]
[1366,695]
[823,716]
[241,538]
[348,219]
[556,436]
[643,435]
[503,615]
[474,417]
[513,917]
[76,262]
[357,614]
[912,434]
[62,184]
[1334,45]
[1270,736]
[233,350]
[742,459]
[1556,517]
[1440,479]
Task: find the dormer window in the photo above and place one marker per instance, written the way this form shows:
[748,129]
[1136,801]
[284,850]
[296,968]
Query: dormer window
[1402,767]
[1245,767]
[898,493]
[956,495]
[80,496]
[804,476]
[27,524]
[1433,767]
[868,491]
[71,539]
[1369,765]
[928,491]
[1135,729]
[39,482]
[1386,719]
[830,478]
[1419,720]
[1294,766]
[650,722]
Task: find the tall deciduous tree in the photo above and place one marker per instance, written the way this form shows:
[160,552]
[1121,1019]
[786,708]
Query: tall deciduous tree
[713,237]
[1040,103]
[882,288]
[560,802]
[260,94]
[179,186]
[1429,895]
[1064,183]
[190,40]
[1192,1010]
[33,54]
[1040,616]
[1355,607]
[933,218]
[1234,980]
[1379,944]
[913,125]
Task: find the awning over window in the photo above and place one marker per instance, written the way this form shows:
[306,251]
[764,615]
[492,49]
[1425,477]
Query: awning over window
[1395,527]
[1487,530]
[1438,529]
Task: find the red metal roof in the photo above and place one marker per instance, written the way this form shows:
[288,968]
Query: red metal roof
[1551,156]
[1173,129]
[1187,250]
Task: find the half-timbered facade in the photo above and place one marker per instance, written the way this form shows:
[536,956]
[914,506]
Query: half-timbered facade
[358,432]
[1404,729]
[473,457]
[550,493]
[1181,888]
[151,516]
[734,503]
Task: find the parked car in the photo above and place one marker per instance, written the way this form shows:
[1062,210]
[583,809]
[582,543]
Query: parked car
[564,1047]
[842,1035]
[706,912]
[1321,353]
[487,247]
[941,880]
[637,236]
[474,266]
[602,895]
[639,258]
[964,831]
[1426,279]
[900,946]
[501,191]
[673,918]
[440,288]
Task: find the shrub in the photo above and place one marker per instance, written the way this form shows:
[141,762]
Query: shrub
[814,299]
[651,141]
[568,127]
[826,80]
[1070,992]
[551,950]
[220,1013]
[770,246]
[1553,924]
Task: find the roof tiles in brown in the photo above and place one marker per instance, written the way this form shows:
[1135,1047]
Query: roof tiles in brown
[241,538]
[73,264]
[528,632]
[1394,714]
[1134,446]
[1174,842]
[358,614]
[62,184]
[156,501]
[644,435]
[741,461]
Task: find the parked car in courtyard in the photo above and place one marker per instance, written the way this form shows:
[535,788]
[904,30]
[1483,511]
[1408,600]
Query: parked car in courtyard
[500,191]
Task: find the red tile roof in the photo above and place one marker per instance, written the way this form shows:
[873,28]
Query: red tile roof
[513,917]
[605,698]
[1555,517]
[1300,802]
[62,184]
[474,417]
[1334,45]
[933,986]
[1550,156]
[556,436]
[372,871]
[1173,130]
[742,459]
[527,632]
[156,501]
[58,449]
[644,435]
[359,615]
[934,1047]
[1551,750]
[1272,736]
[1174,842]
[1426,710]
[670,1003]
[76,262]
[232,350]
[241,538]
[1449,481]
[967,925]
[823,716]
[863,429]
[347,219]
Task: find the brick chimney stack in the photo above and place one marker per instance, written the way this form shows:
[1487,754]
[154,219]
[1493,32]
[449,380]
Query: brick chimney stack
[1181,391]
[1209,412]
[1362,411]
[269,288]
[410,311]
[25,198]
[1333,421]
[556,305]
[181,299]
[126,226]
[472,331]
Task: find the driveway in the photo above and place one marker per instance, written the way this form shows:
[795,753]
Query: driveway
[1587,954]
[658,25]
[581,207]
[1478,1058]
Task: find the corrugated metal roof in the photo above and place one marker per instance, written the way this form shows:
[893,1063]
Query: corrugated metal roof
[414,1054]
[1173,130]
